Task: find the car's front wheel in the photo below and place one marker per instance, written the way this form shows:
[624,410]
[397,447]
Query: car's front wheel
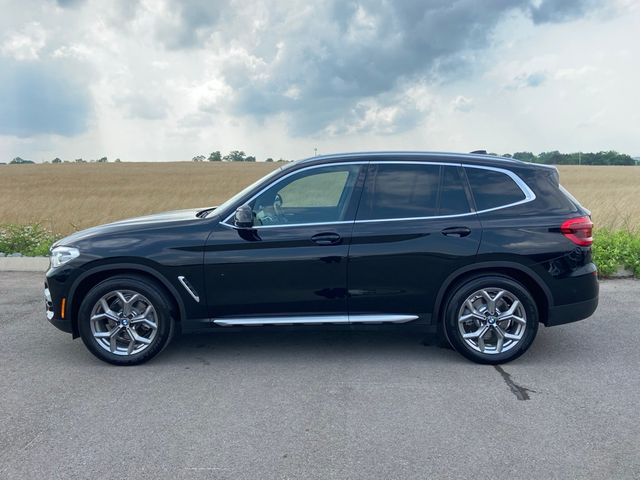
[125,320]
[491,319]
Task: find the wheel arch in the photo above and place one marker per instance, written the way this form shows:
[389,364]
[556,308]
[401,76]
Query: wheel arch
[92,277]
[526,276]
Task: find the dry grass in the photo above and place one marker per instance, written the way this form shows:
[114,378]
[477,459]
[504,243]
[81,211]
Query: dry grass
[68,197]
[611,193]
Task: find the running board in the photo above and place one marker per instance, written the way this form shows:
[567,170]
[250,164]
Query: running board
[314,320]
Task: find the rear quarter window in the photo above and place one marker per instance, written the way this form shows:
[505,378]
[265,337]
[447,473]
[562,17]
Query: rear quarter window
[493,189]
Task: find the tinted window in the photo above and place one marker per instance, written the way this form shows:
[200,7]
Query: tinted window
[316,190]
[400,191]
[493,189]
[453,198]
[311,196]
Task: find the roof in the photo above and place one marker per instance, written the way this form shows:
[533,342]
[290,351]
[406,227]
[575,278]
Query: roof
[471,158]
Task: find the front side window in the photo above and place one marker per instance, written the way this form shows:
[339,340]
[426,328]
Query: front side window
[317,195]
[394,191]
[493,189]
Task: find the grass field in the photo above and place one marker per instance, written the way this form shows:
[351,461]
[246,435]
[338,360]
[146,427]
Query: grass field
[69,197]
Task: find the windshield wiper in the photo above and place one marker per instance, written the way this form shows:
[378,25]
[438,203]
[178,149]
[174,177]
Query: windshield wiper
[204,212]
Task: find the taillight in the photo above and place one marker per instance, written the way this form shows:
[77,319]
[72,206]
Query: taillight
[578,230]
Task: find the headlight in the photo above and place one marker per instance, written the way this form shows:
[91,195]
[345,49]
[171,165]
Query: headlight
[62,255]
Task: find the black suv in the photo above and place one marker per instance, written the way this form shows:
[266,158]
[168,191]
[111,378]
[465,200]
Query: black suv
[475,248]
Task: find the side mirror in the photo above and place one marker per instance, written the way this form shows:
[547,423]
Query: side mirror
[243,217]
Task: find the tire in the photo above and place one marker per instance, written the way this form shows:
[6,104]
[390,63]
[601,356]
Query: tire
[125,320]
[474,331]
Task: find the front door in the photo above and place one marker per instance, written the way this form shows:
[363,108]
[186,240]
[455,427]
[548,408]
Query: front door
[293,263]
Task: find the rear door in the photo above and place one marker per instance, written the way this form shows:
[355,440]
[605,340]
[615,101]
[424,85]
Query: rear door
[414,226]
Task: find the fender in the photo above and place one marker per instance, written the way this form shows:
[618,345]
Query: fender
[122,266]
[488,266]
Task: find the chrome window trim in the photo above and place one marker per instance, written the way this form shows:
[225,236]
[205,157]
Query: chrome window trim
[528,193]
[433,217]
[260,227]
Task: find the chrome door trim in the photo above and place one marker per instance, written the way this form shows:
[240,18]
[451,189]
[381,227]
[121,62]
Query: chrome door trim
[386,318]
[315,320]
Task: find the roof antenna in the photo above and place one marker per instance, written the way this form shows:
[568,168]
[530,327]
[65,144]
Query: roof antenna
[482,152]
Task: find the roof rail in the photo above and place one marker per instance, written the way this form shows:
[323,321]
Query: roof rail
[482,152]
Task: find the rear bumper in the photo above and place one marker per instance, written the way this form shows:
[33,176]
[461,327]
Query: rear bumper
[571,312]
[575,296]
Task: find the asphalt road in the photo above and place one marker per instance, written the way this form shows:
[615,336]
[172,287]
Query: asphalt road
[320,404]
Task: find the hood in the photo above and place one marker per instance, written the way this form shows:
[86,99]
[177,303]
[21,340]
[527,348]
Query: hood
[136,223]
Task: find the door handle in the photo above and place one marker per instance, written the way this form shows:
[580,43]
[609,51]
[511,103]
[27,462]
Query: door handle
[326,238]
[456,231]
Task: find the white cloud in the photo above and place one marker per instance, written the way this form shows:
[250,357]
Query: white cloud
[462,104]
[25,44]
[142,105]
[279,77]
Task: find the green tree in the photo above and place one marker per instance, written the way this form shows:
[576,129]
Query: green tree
[56,160]
[269,159]
[80,160]
[20,161]
[215,156]
[525,156]
[250,159]
[612,157]
[102,160]
[117,160]
[199,158]
[552,158]
[234,156]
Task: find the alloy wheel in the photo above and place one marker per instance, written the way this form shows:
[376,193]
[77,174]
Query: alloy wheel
[492,321]
[124,322]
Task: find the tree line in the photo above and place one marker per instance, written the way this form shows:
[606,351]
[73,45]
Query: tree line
[554,157]
[232,156]
[22,161]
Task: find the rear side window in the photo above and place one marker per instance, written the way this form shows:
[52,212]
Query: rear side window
[395,191]
[492,189]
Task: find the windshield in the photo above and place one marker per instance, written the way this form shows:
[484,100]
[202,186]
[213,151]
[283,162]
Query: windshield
[244,191]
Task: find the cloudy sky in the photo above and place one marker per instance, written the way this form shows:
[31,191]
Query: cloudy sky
[166,79]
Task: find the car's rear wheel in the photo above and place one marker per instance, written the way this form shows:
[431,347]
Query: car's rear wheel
[125,320]
[491,319]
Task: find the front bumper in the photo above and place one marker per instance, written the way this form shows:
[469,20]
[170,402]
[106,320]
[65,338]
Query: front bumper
[54,312]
